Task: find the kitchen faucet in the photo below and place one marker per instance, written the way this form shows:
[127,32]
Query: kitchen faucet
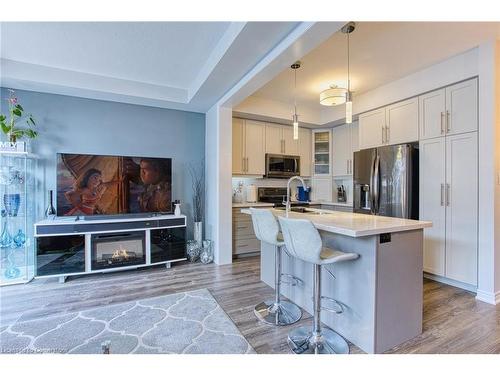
[287,202]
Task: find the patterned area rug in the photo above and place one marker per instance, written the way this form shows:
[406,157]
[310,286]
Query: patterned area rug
[190,322]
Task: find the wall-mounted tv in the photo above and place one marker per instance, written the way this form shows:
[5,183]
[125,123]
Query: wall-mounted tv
[109,185]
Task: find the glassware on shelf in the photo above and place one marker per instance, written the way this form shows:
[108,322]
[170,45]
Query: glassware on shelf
[192,250]
[5,237]
[19,239]
[11,203]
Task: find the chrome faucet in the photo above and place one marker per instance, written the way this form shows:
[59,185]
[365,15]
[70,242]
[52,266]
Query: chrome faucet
[287,202]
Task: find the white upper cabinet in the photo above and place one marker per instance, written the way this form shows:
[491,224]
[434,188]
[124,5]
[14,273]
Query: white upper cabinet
[372,128]
[305,153]
[401,122]
[248,147]
[448,111]
[322,152]
[432,111]
[274,139]
[461,107]
[432,206]
[462,207]
[290,145]
[254,148]
[238,155]
[344,144]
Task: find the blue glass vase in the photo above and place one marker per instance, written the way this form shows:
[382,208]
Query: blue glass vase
[11,203]
[19,239]
[5,237]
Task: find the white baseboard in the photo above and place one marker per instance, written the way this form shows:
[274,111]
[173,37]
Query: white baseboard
[488,297]
[445,280]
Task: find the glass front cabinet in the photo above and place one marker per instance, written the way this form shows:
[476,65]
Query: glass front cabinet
[17,194]
[322,152]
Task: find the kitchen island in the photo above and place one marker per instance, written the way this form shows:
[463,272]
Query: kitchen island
[381,291]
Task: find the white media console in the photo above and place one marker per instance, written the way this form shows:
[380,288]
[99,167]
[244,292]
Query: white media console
[75,246]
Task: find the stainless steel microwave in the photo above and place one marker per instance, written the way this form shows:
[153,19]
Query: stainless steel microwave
[282,166]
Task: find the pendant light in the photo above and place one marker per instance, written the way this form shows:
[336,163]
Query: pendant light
[348,29]
[295,116]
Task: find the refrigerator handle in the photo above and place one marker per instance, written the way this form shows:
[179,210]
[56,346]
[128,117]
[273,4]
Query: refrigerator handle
[372,198]
[376,184]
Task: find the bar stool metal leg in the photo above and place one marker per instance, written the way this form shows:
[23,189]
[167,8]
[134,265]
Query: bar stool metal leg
[303,340]
[278,312]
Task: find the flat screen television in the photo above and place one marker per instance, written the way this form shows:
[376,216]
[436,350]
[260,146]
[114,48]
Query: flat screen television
[112,185]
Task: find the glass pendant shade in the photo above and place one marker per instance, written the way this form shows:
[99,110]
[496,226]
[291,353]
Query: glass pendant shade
[348,108]
[333,96]
[295,119]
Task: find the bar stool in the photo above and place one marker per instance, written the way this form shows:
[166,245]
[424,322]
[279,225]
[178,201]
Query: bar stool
[303,241]
[276,312]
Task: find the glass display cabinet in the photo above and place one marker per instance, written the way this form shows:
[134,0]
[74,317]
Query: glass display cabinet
[17,202]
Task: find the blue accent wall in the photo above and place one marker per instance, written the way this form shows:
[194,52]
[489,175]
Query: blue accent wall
[77,125]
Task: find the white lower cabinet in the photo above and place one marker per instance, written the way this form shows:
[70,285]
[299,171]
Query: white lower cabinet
[449,198]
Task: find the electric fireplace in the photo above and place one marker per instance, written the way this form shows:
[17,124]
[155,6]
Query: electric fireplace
[118,250]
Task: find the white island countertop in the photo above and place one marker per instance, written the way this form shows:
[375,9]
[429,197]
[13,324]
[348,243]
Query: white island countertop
[353,224]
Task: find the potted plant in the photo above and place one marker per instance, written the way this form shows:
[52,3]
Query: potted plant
[198,183]
[10,123]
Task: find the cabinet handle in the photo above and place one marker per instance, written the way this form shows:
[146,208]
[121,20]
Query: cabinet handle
[347,167]
[246,164]
[383,132]
[448,127]
[447,194]
[387,134]
[442,194]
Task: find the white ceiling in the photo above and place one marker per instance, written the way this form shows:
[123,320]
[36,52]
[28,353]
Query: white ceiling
[381,52]
[183,65]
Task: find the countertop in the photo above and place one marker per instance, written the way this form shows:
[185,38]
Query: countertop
[353,224]
[255,204]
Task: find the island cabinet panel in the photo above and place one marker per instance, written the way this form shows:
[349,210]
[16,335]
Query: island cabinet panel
[432,202]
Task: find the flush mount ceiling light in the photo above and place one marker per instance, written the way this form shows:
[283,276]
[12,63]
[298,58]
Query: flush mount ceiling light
[348,29]
[333,96]
[295,116]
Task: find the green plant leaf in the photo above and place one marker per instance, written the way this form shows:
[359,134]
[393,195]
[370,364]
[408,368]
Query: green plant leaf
[31,121]
[18,106]
[31,133]
[5,128]
[17,112]
[2,118]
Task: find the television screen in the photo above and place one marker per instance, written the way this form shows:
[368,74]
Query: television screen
[108,185]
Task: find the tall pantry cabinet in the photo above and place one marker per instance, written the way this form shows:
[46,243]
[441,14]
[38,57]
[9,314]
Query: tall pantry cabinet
[449,181]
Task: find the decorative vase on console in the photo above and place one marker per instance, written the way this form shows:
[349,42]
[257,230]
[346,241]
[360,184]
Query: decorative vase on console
[50,211]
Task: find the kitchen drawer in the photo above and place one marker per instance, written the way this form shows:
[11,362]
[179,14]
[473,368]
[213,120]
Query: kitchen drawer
[243,246]
[241,231]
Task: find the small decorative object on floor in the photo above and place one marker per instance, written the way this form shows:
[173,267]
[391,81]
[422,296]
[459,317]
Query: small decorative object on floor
[207,255]
[50,211]
[11,203]
[177,211]
[198,181]
[192,250]
[105,347]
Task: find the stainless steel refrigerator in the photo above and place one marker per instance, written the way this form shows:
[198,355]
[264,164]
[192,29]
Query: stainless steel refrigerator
[386,181]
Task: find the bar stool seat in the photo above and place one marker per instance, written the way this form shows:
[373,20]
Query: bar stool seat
[277,311]
[303,241]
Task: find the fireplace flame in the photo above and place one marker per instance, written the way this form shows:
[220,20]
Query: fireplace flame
[120,253]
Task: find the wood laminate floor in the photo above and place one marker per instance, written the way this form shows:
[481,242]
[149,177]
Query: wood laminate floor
[454,322]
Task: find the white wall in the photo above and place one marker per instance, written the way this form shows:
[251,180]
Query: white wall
[277,109]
